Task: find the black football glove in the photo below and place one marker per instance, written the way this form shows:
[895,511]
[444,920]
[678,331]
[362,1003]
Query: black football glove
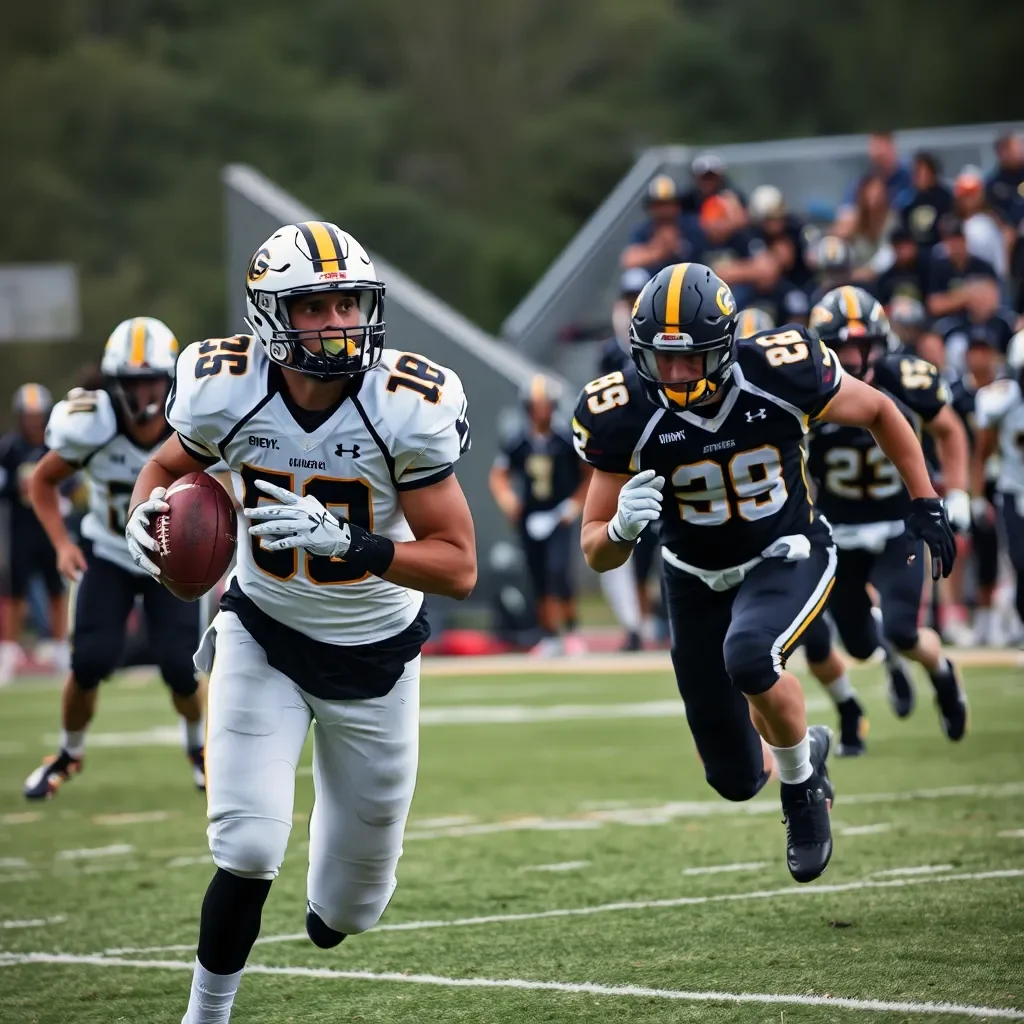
[927,520]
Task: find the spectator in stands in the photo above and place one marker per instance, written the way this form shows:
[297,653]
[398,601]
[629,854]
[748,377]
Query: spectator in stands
[710,179]
[886,164]
[615,351]
[771,292]
[865,226]
[908,320]
[928,203]
[539,483]
[983,319]
[660,239]
[734,253]
[951,267]
[982,228]
[30,551]
[781,231]
[907,273]
[1005,185]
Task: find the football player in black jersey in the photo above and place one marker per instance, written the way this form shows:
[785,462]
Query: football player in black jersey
[539,484]
[861,494]
[717,425]
[30,551]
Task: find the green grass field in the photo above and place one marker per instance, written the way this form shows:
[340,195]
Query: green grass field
[560,865]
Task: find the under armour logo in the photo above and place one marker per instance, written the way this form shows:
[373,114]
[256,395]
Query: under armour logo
[343,451]
[761,414]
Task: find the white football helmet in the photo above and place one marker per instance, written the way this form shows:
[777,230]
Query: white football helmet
[315,256]
[32,398]
[138,350]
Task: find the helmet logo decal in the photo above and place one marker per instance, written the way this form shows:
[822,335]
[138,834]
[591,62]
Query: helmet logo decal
[259,266]
[820,315]
[725,300]
[280,352]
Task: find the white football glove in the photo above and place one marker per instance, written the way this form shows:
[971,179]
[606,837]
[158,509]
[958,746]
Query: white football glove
[639,504]
[958,510]
[137,533]
[298,523]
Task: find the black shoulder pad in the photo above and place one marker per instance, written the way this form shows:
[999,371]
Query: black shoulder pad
[791,363]
[611,413]
[915,382]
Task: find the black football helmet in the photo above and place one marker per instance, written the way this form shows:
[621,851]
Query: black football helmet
[850,316]
[686,308]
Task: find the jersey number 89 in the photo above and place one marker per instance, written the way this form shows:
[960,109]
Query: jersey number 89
[756,478]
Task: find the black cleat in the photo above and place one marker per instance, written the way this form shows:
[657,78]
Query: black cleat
[318,932]
[805,809]
[853,727]
[901,690]
[44,782]
[632,643]
[951,701]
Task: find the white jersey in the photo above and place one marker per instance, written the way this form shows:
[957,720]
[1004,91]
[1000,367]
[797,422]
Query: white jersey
[999,406]
[405,428]
[85,431]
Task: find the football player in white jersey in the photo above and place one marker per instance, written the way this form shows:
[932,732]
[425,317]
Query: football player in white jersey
[344,453]
[108,435]
[999,409]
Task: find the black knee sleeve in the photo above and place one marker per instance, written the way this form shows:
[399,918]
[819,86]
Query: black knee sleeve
[318,932]
[180,675]
[748,660]
[735,786]
[91,663]
[230,923]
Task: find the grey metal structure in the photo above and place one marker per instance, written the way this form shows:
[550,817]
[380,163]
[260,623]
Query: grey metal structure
[579,287]
[491,371]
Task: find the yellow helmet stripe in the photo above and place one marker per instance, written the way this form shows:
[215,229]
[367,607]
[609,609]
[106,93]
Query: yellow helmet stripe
[537,389]
[675,294]
[139,334]
[851,304]
[322,246]
[32,400]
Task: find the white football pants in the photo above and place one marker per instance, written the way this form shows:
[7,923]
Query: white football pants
[364,773]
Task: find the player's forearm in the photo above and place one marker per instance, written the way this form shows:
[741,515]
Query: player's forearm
[153,474]
[897,439]
[601,552]
[45,497]
[501,490]
[951,441]
[944,303]
[984,448]
[434,566]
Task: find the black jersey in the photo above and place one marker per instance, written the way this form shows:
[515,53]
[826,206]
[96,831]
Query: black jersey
[18,458]
[856,483]
[546,467]
[613,357]
[734,470]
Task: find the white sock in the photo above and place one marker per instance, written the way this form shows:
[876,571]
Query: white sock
[211,997]
[793,764]
[619,589]
[73,741]
[193,733]
[841,689]
[983,619]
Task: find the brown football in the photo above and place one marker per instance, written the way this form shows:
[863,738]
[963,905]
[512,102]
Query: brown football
[197,536]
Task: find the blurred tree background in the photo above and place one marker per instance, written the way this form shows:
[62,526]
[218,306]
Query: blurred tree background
[464,140]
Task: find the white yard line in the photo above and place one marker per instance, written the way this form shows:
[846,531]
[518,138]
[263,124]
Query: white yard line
[663,814]
[565,865]
[528,985]
[35,922]
[13,862]
[921,869]
[134,818]
[187,862]
[20,818]
[1013,833]
[719,869]
[865,830]
[787,892]
[117,850]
